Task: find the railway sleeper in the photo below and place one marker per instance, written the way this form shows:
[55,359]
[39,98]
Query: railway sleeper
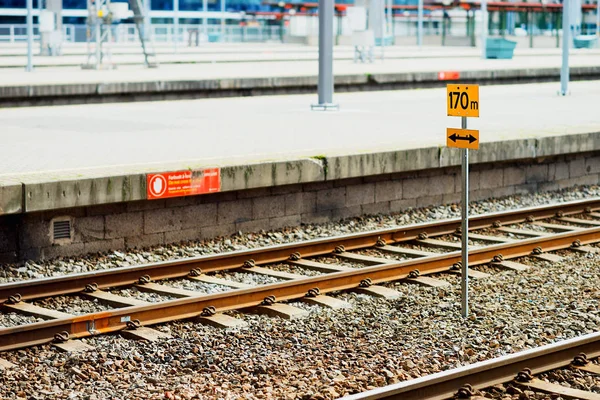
[144,333]
[472,273]
[553,388]
[72,346]
[415,277]
[378,291]
[540,255]
[222,321]
[314,296]
[280,310]
[113,299]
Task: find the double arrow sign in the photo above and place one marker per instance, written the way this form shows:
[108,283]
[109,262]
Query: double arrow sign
[463,138]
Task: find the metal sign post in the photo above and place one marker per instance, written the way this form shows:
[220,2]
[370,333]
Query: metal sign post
[566,37]
[205,19]
[597,17]
[463,101]
[484,28]
[29,66]
[464,270]
[176,24]
[420,23]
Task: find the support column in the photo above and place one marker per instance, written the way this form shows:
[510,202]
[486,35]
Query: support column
[176,23]
[222,20]
[29,66]
[598,18]
[205,18]
[484,28]
[566,37]
[325,88]
[420,24]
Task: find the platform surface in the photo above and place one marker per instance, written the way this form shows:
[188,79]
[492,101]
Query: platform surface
[260,62]
[189,133]
[66,156]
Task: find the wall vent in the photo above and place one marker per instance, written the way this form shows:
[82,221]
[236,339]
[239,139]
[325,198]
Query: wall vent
[61,229]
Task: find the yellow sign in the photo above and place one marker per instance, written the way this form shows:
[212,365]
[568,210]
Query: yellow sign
[462,138]
[463,100]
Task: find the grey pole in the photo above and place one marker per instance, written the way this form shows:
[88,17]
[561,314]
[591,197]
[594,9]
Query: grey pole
[325,89]
[223,20]
[597,17]
[464,273]
[176,22]
[484,28]
[566,37]
[390,29]
[29,67]
[205,17]
[147,19]
[420,23]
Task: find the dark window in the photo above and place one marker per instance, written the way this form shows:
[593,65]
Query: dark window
[16,4]
[75,4]
[161,4]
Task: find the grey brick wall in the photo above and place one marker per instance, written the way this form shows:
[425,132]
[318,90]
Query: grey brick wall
[146,223]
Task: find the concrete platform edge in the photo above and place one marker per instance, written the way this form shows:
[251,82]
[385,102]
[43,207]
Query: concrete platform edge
[98,92]
[44,192]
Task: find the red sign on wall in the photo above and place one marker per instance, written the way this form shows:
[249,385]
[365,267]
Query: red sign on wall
[183,183]
[448,76]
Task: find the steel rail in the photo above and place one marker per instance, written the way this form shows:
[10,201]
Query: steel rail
[115,320]
[444,385]
[74,283]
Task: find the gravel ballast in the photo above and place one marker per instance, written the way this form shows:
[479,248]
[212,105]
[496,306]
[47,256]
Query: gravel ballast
[329,353]
[332,352]
[240,241]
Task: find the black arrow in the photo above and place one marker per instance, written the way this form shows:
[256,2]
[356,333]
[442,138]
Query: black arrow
[454,137]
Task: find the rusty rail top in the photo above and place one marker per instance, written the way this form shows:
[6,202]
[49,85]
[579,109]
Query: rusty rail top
[444,385]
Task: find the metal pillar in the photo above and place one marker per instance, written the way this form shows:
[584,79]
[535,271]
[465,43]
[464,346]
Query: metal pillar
[597,17]
[325,89]
[420,23]
[176,23]
[390,29]
[566,37]
[484,28]
[222,20]
[205,18]
[147,21]
[557,17]
[464,272]
[530,23]
[29,66]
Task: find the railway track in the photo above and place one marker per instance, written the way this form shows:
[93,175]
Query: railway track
[421,249]
[520,371]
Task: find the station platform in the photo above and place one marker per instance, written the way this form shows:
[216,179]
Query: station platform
[279,162]
[75,54]
[275,71]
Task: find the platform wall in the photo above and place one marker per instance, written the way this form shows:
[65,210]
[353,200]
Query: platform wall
[144,223]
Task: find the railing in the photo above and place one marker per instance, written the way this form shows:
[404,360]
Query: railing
[193,34]
[18,33]
[160,33]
